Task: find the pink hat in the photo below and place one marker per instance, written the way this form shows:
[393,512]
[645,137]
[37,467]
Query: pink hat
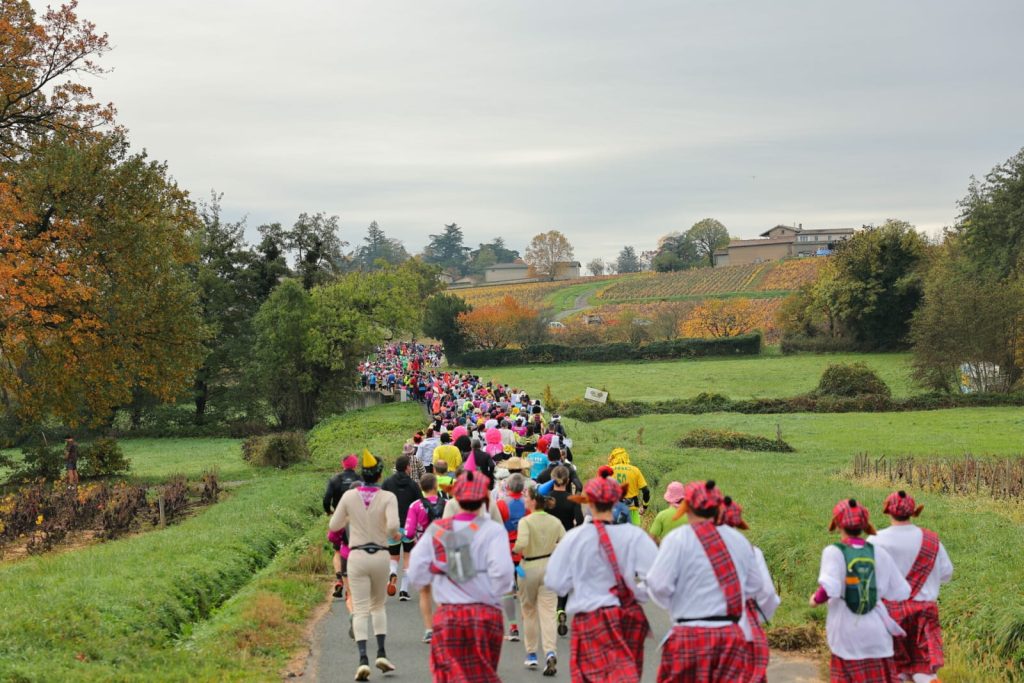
[675,493]
[493,438]
[350,462]
[459,431]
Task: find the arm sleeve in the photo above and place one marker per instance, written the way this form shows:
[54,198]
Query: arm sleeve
[328,498]
[645,552]
[499,566]
[391,515]
[412,519]
[419,564]
[339,520]
[944,565]
[523,537]
[558,576]
[767,599]
[645,493]
[641,483]
[832,575]
[660,579]
[657,526]
[503,510]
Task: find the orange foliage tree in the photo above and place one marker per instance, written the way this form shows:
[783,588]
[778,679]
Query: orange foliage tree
[725,318]
[499,325]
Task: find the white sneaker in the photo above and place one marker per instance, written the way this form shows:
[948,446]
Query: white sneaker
[363,672]
[384,665]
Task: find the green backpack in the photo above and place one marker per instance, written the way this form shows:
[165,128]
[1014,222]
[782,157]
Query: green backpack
[861,594]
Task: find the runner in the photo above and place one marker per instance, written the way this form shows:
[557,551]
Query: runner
[855,577]
[570,514]
[922,559]
[760,606]
[407,491]
[637,494]
[539,533]
[372,518]
[467,629]
[667,520]
[421,514]
[604,587]
[703,576]
[512,507]
[336,488]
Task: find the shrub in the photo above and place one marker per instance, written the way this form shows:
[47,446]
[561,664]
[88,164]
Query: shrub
[276,450]
[175,496]
[40,462]
[211,487]
[103,458]
[724,438]
[121,509]
[853,379]
[821,344]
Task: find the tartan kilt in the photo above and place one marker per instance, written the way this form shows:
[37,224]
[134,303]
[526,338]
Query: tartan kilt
[466,645]
[863,670]
[598,651]
[920,651]
[696,654]
[635,630]
[759,653]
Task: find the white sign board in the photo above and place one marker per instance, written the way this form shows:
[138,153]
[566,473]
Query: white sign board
[596,395]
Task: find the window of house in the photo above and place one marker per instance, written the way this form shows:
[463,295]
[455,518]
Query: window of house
[803,238]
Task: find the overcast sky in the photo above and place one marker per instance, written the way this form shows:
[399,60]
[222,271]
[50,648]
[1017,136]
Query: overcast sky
[614,122]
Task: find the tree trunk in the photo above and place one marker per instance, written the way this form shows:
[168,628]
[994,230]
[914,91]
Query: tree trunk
[202,395]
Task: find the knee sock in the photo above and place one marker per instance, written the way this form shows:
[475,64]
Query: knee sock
[509,603]
[394,566]
[380,645]
[405,583]
[363,659]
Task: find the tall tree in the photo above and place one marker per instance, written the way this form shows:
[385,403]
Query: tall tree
[708,235]
[317,246]
[271,266]
[628,261]
[596,267]
[546,251]
[676,251]
[440,321]
[447,250]
[378,248]
[991,222]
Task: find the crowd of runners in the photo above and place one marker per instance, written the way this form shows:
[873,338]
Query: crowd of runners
[486,520]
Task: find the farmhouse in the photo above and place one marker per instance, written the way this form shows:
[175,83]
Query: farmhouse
[782,241]
[520,272]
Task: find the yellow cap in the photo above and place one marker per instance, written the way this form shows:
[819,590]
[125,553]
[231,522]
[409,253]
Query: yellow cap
[369,462]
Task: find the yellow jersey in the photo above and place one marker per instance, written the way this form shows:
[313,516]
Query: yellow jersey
[633,478]
[450,454]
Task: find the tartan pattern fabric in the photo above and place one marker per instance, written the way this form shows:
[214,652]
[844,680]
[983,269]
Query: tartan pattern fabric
[731,515]
[920,651]
[471,487]
[759,651]
[848,514]
[863,671]
[699,496]
[602,490]
[598,653]
[466,645]
[899,506]
[693,654]
[635,627]
[722,564]
[924,562]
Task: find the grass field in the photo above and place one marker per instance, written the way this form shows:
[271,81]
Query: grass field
[757,377]
[788,499]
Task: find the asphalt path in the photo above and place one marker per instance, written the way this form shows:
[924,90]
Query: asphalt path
[334,656]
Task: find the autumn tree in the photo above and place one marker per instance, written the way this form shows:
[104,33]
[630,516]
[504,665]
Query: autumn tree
[708,236]
[497,326]
[546,251]
[723,318]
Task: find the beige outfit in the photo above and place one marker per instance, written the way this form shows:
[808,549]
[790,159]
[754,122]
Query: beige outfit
[539,533]
[368,572]
[452,508]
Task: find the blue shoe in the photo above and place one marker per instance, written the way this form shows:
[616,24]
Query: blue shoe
[531,661]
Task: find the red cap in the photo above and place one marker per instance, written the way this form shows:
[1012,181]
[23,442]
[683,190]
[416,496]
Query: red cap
[849,514]
[602,489]
[731,514]
[544,443]
[901,504]
[702,495]
[350,461]
[470,487]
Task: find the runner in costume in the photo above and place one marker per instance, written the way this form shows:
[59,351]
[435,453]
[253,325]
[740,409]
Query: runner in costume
[703,576]
[760,606]
[922,559]
[855,577]
[466,561]
[336,488]
[604,589]
[637,495]
[372,519]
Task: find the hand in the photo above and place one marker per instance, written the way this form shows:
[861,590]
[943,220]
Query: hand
[811,600]
[396,537]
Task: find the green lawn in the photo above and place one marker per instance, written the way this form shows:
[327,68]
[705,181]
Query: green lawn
[754,377]
[788,499]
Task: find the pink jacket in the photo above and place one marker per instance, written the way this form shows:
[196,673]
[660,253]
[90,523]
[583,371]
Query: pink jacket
[416,519]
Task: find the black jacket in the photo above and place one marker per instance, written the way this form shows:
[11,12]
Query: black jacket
[336,488]
[574,478]
[406,491]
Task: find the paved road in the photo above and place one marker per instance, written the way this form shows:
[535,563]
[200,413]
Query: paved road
[334,657]
[581,303]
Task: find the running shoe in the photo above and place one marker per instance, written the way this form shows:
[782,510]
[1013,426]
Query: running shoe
[428,635]
[363,672]
[339,589]
[403,596]
[513,633]
[384,665]
[550,664]
[563,623]
[531,661]
[393,584]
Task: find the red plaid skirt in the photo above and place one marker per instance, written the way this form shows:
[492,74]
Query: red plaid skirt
[635,630]
[598,651]
[695,654]
[863,671]
[920,652]
[759,652]
[466,645]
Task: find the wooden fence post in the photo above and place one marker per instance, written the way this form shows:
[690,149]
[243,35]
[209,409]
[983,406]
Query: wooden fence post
[160,506]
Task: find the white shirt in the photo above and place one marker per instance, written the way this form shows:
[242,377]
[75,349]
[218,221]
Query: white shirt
[508,437]
[491,424]
[491,556]
[452,508]
[425,452]
[767,599]
[903,543]
[578,568]
[855,636]
[684,583]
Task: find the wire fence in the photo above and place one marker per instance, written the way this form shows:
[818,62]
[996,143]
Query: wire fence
[965,475]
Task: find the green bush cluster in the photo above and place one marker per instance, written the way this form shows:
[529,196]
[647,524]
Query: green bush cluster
[103,458]
[730,440]
[743,345]
[791,344]
[276,450]
[848,380]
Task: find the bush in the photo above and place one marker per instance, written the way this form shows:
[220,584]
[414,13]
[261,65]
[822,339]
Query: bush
[849,380]
[122,507]
[40,462]
[799,344]
[276,450]
[724,438]
[103,458]
[175,497]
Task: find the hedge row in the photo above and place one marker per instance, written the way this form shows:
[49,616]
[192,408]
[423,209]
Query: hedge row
[801,344]
[588,411]
[730,440]
[743,345]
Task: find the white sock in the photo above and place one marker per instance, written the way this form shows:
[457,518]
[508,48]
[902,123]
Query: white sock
[394,566]
[405,584]
[924,678]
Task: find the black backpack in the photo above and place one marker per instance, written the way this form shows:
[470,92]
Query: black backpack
[435,510]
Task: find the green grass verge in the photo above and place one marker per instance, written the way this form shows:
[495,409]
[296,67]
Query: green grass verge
[772,375]
[565,299]
[382,429]
[788,497]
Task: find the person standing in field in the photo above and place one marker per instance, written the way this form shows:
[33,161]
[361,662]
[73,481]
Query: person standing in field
[703,576]
[467,563]
[371,515]
[854,579]
[667,520]
[923,561]
[760,606]
[71,459]
[601,567]
[539,533]
[637,494]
